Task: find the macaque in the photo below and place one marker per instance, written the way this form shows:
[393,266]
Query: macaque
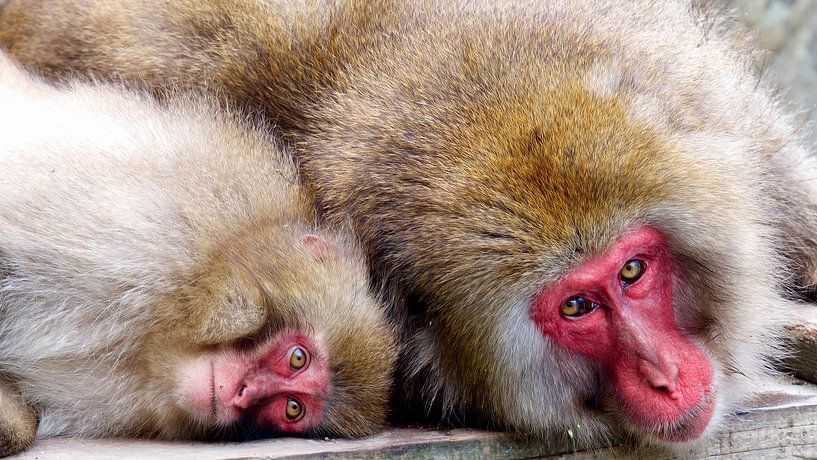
[162,276]
[589,217]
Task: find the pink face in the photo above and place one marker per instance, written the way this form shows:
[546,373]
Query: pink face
[617,310]
[282,386]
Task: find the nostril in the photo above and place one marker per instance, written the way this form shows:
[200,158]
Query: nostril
[663,388]
[245,396]
[662,378]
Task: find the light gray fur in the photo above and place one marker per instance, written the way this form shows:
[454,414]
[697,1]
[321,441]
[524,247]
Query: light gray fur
[97,221]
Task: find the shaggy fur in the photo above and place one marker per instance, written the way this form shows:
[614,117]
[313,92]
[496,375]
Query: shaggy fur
[134,237]
[482,148]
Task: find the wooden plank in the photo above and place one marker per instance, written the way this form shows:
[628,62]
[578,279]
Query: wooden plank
[782,423]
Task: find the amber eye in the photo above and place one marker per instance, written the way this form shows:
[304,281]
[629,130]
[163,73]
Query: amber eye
[298,358]
[577,306]
[632,271]
[294,409]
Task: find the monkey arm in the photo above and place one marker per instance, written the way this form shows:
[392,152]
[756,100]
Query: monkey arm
[185,44]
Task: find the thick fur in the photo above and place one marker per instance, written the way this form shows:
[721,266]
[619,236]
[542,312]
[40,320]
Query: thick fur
[482,148]
[134,236]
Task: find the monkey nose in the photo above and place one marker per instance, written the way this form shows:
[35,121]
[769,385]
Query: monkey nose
[663,376]
[244,396]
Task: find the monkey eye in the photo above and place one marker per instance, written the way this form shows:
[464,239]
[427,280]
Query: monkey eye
[632,270]
[298,358]
[294,409]
[577,306]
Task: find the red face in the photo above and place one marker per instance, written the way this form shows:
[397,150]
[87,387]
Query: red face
[282,386]
[617,310]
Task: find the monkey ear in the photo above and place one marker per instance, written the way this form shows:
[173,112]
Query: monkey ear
[320,248]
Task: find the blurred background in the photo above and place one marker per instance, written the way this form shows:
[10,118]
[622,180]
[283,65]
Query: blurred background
[788,29]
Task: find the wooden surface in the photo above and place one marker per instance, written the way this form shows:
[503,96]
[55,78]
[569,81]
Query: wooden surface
[781,424]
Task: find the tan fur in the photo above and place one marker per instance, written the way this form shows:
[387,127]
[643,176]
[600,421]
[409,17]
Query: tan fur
[483,148]
[135,236]
[18,421]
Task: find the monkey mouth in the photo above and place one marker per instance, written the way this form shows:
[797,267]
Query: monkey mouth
[692,425]
[213,397]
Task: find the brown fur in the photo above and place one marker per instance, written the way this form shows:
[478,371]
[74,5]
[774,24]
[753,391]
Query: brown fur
[483,148]
[18,422]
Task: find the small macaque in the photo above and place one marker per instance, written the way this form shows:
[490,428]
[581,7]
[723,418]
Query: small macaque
[162,277]
[587,213]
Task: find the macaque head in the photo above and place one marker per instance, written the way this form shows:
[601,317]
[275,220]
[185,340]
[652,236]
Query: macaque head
[600,271]
[284,338]
[617,310]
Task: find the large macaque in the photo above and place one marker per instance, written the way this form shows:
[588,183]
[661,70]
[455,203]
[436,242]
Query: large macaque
[587,213]
[162,277]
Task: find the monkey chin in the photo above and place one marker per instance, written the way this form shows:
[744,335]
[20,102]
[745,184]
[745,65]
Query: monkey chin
[222,387]
[689,429]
